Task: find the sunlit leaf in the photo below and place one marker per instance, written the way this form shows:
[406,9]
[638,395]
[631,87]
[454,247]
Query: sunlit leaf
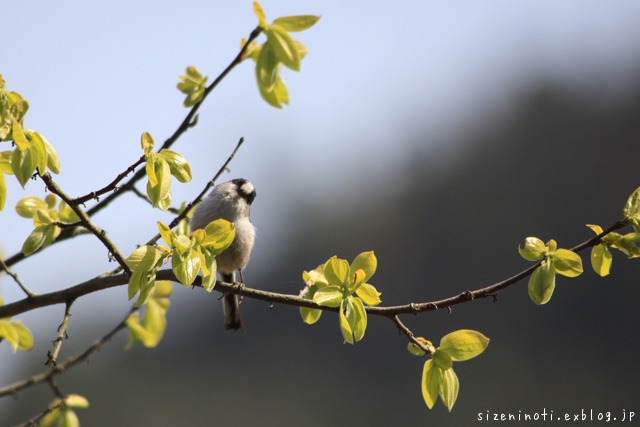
[296,23]
[186,266]
[178,165]
[145,258]
[262,18]
[19,137]
[22,165]
[38,151]
[220,234]
[36,239]
[449,387]
[337,272]
[25,339]
[3,192]
[284,47]
[147,142]
[345,328]
[542,283]
[601,259]
[534,249]
[357,317]
[367,262]
[417,351]
[310,315]
[566,262]
[267,68]
[368,294]
[431,379]
[463,344]
[328,296]
[28,206]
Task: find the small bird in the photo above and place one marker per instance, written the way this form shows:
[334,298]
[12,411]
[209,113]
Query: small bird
[231,201]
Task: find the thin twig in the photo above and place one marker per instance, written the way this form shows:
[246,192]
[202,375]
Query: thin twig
[407,332]
[113,185]
[38,418]
[52,357]
[14,388]
[86,222]
[15,278]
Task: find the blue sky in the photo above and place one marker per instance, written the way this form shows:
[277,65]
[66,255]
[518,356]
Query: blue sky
[97,75]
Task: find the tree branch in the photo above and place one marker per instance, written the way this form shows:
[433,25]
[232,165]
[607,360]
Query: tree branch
[52,357]
[111,280]
[15,278]
[86,222]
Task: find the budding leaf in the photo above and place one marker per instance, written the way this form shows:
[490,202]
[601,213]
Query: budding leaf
[431,379]
[28,206]
[463,344]
[542,283]
[329,296]
[534,249]
[449,387]
[296,23]
[566,262]
[367,262]
[178,165]
[337,272]
[601,259]
[368,294]
[284,47]
[219,236]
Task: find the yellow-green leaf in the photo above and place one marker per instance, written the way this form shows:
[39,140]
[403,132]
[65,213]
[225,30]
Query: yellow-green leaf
[76,401]
[53,161]
[310,315]
[431,380]
[367,262]
[5,162]
[328,296]
[345,328]
[631,209]
[3,192]
[186,266]
[566,262]
[542,283]
[220,234]
[368,294]
[284,47]
[36,239]
[145,258]
[449,387]
[28,206]
[533,250]
[417,351]
[167,235]
[178,165]
[38,151]
[262,18]
[25,339]
[442,360]
[463,344]
[276,95]
[267,68]
[337,272]
[296,23]
[10,333]
[601,259]
[147,142]
[18,136]
[357,317]
[22,165]
[137,281]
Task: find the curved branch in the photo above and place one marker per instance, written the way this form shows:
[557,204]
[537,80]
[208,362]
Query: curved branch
[111,280]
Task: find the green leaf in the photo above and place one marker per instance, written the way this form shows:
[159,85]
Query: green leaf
[5,162]
[3,192]
[431,380]
[167,235]
[631,209]
[220,234]
[542,283]
[153,325]
[442,360]
[328,296]
[37,239]
[147,289]
[337,272]
[357,317]
[262,18]
[601,259]
[367,262]
[38,151]
[267,68]
[417,351]
[145,258]
[10,333]
[22,165]
[137,281]
[368,294]
[18,136]
[345,328]
[463,344]
[28,206]
[534,249]
[53,161]
[25,339]
[159,183]
[67,214]
[296,23]
[76,401]
[277,95]
[186,266]
[310,315]
[68,418]
[178,165]
[449,387]
[210,264]
[566,262]
[147,142]
[284,47]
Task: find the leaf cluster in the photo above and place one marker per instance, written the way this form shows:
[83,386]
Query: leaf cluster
[32,151]
[160,167]
[279,49]
[438,377]
[48,216]
[334,284]
[61,414]
[18,335]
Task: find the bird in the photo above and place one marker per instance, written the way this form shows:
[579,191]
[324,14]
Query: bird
[231,201]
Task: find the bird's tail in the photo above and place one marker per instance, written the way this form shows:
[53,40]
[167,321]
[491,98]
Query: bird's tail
[232,316]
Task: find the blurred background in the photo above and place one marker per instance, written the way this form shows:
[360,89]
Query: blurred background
[439,134]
